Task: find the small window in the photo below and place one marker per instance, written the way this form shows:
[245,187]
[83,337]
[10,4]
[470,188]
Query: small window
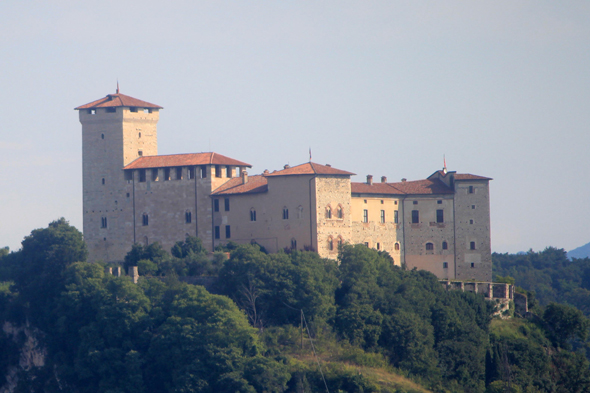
[299,212]
[140,153]
[111,109]
[415,217]
[155,174]
[217,170]
[188,217]
[133,109]
[179,173]
[103,222]
[378,246]
[226,204]
[365,215]
[440,217]
[472,246]
[145,220]
[228,171]
[330,244]
[285,213]
[166,174]
[128,195]
[470,222]
[146,110]
[382,217]
[445,265]
[339,241]
[395,217]
[252,215]
[142,176]
[445,245]
[339,212]
[382,201]
[191,173]
[471,189]
[395,202]
[216,205]
[328,212]
[415,202]
[365,201]
[473,206]
[366,244]
[396,246]
[139,135]
[439,202]
[128,175]
[217,232]
[429,247]
[472,265]
[203,172]
[101,136]
[227,232]
[92,111]
[293,244]
[103,181]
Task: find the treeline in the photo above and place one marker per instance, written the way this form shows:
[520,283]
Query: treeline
[105,334]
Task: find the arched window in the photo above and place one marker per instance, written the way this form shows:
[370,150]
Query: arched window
[252,214]
[293,244]
[429,247]
[396,247]
[339,212]
[340,241]
[445,245]
[328,212]
[299,212]
[285,213]
[330,243]
[145,220]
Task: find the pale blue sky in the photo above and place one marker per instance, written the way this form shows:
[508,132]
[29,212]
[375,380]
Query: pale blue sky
[374,87]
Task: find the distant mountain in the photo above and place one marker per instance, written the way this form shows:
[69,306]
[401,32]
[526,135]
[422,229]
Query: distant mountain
[580,252]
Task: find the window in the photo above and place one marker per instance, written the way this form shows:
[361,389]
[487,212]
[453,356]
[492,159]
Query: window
[472,265]
[217,170]
[191,173]
[226,204]
[285,213]
[440,217]
[429,247]
[217,232]
[378,246]
[146,110]
[103,222]
[366,244]
[330,244]
[216,205]
[252,215]
[293,243]
[299,212]
[415,217]
[145,220]
[112,109]
[103,181]
[365,215]
[382,216]
[128,175]
[228,171]
[140,153]
[166,174]
[445,245]
[203,172]
[139,135]
[101,136]
[382,201]
[396,246]
[395,202]
[339,241]
[395,217]
[92,111]
[155,174]
[439,202]
[470,222]
[128,195]
[445,265]
[339,212]
[133,109]
[227,232]
[142,176]
[472,246]
[415,202]
[179,173]
[188,217]
[471,189]
[328,212]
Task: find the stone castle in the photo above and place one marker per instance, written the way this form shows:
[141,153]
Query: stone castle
[133,195]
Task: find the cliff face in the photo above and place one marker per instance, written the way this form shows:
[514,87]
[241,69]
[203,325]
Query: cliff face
[31,352]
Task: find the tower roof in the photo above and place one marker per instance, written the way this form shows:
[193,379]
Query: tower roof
[118,100]
[310,168]
[172,160]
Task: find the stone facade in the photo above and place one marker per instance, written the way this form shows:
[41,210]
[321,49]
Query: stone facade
[132,195]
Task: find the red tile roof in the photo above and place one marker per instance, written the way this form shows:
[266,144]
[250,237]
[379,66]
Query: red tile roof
[310,168]
[255,184]
[418,187]
[469,176]
[116,100]
[184,160]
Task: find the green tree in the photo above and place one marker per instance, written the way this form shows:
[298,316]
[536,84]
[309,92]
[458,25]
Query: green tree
[565,323]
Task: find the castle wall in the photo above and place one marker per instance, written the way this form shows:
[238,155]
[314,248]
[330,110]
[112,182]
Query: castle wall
[333,214]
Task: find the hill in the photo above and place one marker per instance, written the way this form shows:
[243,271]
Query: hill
[580,252]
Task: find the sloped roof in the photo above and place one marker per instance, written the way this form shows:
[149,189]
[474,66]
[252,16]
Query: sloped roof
[469,176]
[417,187]
[255,184]
[163,161]
[117,100]
[310,168]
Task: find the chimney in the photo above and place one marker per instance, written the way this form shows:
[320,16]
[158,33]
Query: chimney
[266,172]
[134,274]
[404,180]
[244,175]
[329,165]
[286,166]
[383,179]
[370,180]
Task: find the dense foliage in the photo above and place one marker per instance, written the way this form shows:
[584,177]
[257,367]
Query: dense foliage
[103,333]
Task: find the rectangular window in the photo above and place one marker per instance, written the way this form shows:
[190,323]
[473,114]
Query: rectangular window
[226,203]
[439,202]
[471,189]
[415,217]
[128,175]
[166,174]
[378,246]
[472,265]
[217,170]
[382,216]
[365,215]
[415,202]
[145,220]
[216,205]
[133,109]
[227,232]
[440,217]
[285,213]
[228,171]
[252,215]
[142,175]
[203,172]
[103,222]
[112,109]
[395,217]
[155,174]
[445,265]
[179,173]
[472,246]
[217,232]
[188,217]
[191,173]
[140,153]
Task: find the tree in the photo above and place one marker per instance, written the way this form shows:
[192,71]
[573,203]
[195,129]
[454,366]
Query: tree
[564,323]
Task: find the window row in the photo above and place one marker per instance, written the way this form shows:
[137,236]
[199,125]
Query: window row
[177,173]
[382,216]
[440,216]
[218,232]
[145,219]
[337,213]
[339,242]
[226,205]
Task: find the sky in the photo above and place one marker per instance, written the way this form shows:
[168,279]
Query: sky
[499,88]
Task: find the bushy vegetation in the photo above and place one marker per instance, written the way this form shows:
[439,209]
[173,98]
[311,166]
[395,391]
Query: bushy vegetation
[369,324]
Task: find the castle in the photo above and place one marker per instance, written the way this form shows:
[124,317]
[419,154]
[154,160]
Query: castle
[133,195]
